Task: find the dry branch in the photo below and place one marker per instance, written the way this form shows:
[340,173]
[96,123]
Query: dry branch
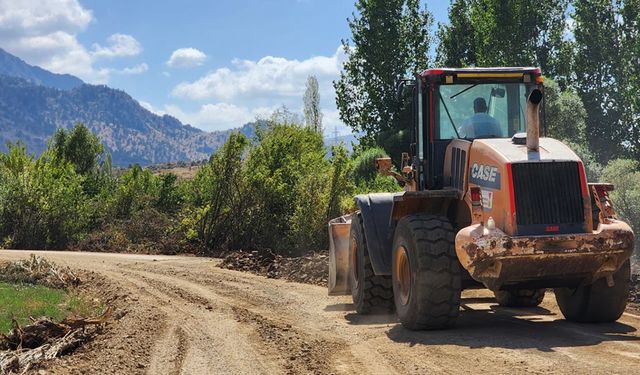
[43,340]
[37,270]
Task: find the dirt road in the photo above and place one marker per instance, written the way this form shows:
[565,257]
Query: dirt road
[184,315]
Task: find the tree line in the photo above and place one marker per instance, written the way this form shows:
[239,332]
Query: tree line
[273,192]
[589,51]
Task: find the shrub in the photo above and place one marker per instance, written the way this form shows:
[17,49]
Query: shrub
[625,175]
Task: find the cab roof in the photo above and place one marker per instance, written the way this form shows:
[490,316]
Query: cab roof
[488,70]
[481,75]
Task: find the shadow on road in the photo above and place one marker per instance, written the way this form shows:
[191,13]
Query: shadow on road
[529,328]
[357,319]
[340,307]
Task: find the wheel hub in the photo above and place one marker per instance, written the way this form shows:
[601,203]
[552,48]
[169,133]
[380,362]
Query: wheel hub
[354,264]
[403,275]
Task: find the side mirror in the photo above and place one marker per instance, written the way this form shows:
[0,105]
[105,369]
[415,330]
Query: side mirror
[402,86]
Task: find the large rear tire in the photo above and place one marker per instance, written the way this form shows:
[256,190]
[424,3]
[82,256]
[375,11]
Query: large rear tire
[596,303]
[520,297]
[426,273]
[371,293]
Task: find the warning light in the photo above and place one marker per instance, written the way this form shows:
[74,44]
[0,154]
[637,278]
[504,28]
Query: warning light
[476,195]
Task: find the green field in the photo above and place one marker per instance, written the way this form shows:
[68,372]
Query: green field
[23,301]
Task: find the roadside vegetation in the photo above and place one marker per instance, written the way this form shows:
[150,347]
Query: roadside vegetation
[22,301]
[273,192]
[35,288]
[44,314]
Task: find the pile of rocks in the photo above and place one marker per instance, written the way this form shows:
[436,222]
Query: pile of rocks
[310,269]
[262,263]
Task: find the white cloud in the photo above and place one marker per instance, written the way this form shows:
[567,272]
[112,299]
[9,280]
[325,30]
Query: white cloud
[219,116]
[186,58]
[246,89]
[120,45]
[269,77]
[41,17]
[138,69]
[147,106]
[44,33]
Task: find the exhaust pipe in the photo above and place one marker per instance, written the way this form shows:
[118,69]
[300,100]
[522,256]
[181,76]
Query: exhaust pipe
[533,120]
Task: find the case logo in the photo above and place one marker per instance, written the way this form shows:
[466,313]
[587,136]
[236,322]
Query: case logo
[485,175]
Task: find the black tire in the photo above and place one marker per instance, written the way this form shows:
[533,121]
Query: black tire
[597,302]
[433,297]
[371,293]
[520,297]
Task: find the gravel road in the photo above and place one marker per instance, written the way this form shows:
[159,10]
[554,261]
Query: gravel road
[184,315]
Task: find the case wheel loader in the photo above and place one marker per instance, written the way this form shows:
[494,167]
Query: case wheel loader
[487,202]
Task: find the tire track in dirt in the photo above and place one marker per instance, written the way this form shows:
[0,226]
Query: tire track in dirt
[212,343]
[298,350]
[209,320]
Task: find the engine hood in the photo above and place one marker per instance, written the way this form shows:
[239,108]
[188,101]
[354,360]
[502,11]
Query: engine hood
[550,150]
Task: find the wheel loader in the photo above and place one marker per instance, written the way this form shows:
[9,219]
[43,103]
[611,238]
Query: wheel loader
[487,203]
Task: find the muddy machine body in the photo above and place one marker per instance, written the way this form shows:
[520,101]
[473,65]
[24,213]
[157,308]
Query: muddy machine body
[507,209]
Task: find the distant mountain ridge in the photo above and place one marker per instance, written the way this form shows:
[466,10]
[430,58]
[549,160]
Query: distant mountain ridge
[31,113]
[13,66]
[35,102]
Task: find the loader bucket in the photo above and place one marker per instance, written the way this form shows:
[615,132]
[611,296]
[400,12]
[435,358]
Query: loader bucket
[339,255]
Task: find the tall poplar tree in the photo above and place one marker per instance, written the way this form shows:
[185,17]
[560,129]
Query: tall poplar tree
[630,76]
[505,33]
[390,40]
[597,71]
[457,39]
[312,113]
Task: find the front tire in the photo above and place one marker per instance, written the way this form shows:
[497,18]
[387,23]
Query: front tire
[596,303]
[370,292]
[425,273]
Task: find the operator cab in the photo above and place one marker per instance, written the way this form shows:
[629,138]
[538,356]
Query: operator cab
[469,103]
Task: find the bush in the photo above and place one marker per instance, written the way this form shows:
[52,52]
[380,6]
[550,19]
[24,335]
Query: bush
[219,197]
[287,173]
[42,203]
[273,193]
[625,175]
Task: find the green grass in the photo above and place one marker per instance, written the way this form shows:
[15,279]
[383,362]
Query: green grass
[23,301]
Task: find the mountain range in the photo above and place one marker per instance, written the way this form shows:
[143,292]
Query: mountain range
[35,102]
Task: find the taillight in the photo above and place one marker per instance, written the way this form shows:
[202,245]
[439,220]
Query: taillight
[476,205]
[476,195]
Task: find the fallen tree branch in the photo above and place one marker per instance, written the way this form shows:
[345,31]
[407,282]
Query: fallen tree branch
[44,339]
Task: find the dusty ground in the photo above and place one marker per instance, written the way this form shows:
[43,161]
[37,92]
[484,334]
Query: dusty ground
[185,315]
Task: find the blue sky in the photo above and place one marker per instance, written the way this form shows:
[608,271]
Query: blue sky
[232,60]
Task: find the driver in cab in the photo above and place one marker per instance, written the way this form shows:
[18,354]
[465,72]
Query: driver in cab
[481,124]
